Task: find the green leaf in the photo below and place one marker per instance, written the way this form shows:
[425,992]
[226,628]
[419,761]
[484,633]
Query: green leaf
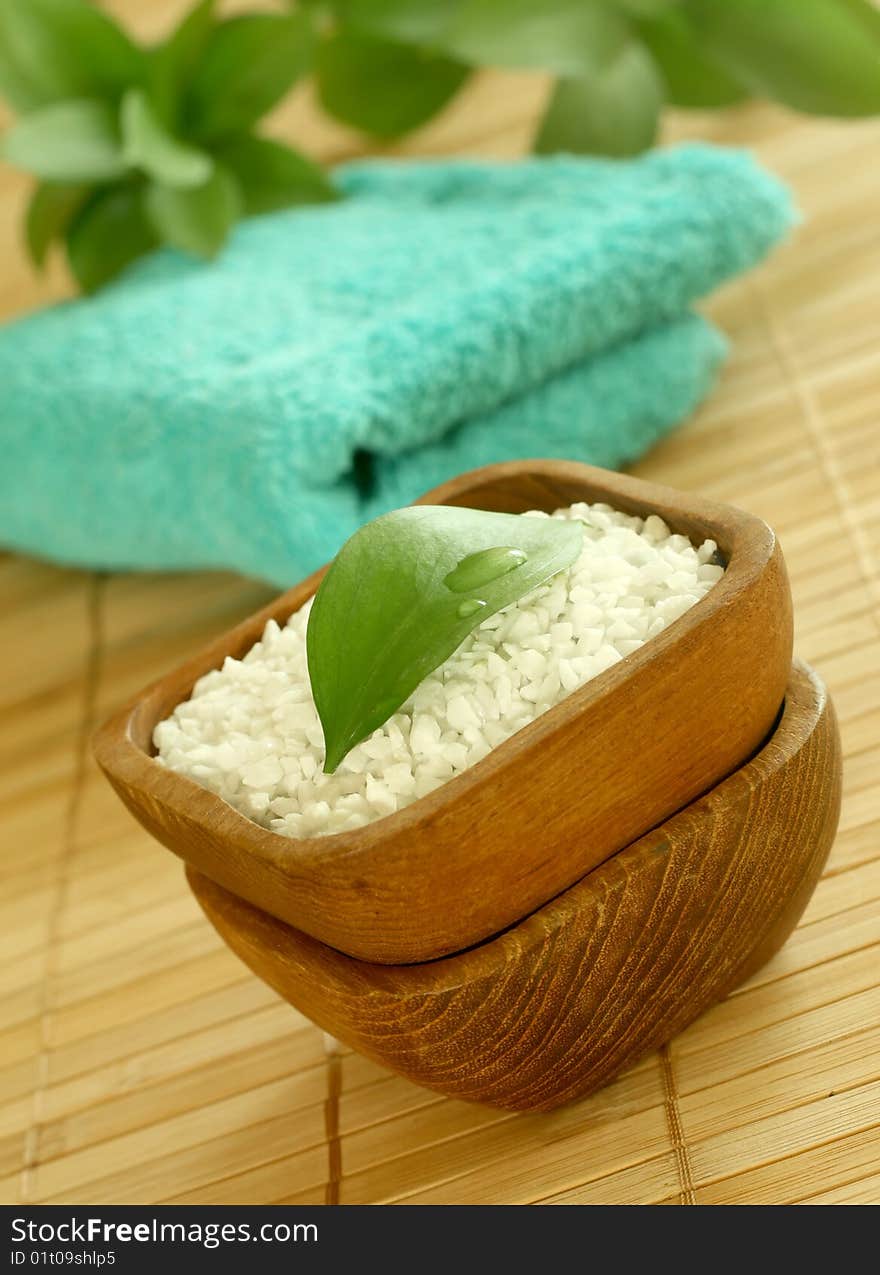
[171,63]
[410,21]
[271,175]
[390,609]
[693,78]
[866,13]
[567,37]
[383,87]
[822,57]
[196,220]
[108,234]
[49,211]
[614,112]
[16,86]
[56,49]
[647,8]
[148,145]
[247,65]
[75,141]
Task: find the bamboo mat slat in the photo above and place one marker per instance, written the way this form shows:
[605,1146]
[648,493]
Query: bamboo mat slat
[140,1062]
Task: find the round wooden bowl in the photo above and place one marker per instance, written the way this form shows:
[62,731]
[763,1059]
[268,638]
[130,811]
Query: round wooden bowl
[608,971]
[613,759]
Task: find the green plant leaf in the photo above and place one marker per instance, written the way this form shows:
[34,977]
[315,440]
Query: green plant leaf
[171,63]
[647,8]
[108,234]
[51,50]
[410,21]
[271,175]
[821,57]
[16,86]
[247,65]
[614,112]
[693,78]
[75,141]
[383,87]
[567,37]
[390,609]
[49,211]
[198,219]
[148,145]
[866,13]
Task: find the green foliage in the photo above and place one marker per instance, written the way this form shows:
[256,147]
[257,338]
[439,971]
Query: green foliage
[404,592]
[567,37]
[616,58]
[108,233]
[272,176]
[247,64]
[50,208]
[421,22]
[135,147]
[196,219]
[56,49]
[382,86]
[822,57]
[147,144]
[692,77]
[173,62]
[168,132]
[76,140]
[613,112]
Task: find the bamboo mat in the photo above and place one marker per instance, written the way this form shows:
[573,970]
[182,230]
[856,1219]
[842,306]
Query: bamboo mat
[140,1062]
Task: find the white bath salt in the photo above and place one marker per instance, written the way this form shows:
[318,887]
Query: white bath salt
[251,734]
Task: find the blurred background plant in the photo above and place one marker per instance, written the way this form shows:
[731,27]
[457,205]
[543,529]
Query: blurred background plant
[135,146]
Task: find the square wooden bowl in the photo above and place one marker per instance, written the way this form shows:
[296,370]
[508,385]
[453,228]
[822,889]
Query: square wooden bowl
[613,759]
[612,968]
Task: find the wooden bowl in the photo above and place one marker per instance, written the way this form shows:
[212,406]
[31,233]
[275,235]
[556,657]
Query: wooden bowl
[613,759]
[608,971]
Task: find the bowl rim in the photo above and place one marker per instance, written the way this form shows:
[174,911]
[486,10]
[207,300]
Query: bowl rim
[746,541]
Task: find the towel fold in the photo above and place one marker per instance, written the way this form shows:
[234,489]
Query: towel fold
[336,361]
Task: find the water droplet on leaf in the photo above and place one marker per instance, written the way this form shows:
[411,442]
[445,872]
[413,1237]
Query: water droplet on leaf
[483,567]
[470,607]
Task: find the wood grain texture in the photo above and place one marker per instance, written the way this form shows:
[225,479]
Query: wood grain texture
[611,969]
[551,802]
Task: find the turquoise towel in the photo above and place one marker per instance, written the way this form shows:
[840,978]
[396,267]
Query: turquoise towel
[338,360]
